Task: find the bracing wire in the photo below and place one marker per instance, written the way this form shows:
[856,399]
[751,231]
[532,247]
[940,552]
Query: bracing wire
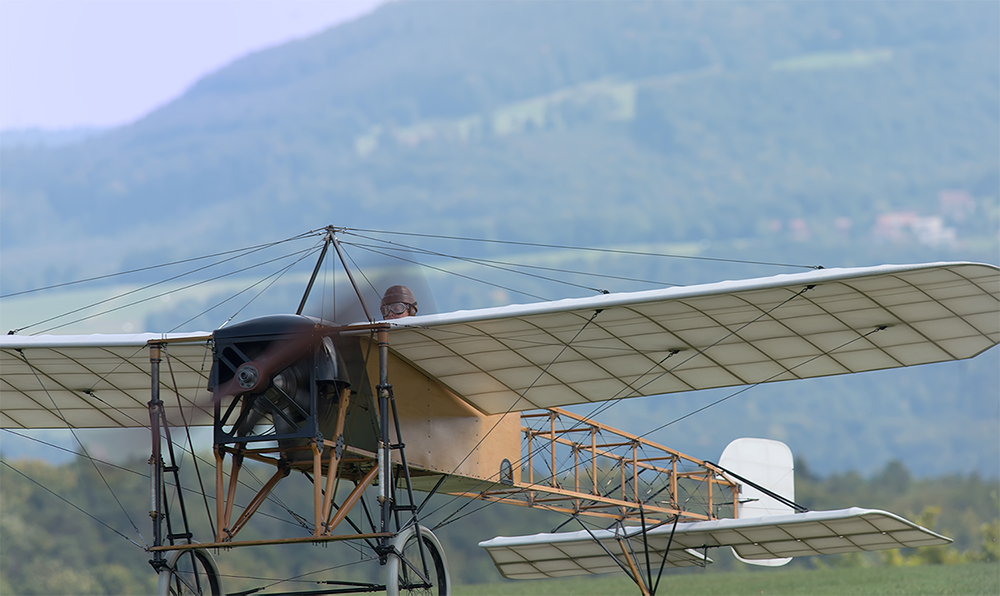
[149,286]
[584,248]
[503,265]
[451,519]
[274,277]
[456,274]
[147,299]
[70,503]
[246,250]
[771,378]
[499,265]
[87,456]
[82,447]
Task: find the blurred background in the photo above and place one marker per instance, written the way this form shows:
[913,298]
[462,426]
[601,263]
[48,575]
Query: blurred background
[689,142]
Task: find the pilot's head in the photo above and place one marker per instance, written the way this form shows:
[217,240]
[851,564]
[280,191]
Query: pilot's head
[398,302]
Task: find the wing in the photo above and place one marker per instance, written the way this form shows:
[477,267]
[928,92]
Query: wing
[101,381]
[796,535]
[524,357]
[814,324]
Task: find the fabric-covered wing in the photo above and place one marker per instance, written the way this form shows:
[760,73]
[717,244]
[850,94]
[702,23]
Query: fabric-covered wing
[814,324]
[101,381]
[795,535]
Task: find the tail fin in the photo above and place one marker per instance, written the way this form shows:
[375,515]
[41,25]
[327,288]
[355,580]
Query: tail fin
[770,465]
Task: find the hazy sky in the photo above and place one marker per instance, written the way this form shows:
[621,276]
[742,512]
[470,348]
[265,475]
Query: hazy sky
[70,63]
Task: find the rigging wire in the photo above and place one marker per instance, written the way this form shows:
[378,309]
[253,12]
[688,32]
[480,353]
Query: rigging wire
[147,299]
[187,432]
[605,405]
[499,265]
[584,248]
[771,378]
[68,502]
[251,249]
[75,436]
[511,407]
[276,275]
[441,270]
[145,475]
[146,287]
[491,262]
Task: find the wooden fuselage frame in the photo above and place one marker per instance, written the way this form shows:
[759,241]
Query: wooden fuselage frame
[452,447]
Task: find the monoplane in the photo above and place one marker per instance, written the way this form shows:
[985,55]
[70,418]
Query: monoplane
[472,403]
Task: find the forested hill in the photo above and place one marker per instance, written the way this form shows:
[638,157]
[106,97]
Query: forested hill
[833,133]
[594,123]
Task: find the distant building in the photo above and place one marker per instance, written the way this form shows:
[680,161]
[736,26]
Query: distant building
[799,229]
[956,205]
[908,226]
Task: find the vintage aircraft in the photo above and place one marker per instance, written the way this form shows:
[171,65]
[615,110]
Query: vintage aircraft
[471,403]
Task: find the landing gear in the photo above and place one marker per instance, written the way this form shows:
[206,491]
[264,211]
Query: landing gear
[417,570]
[189,571]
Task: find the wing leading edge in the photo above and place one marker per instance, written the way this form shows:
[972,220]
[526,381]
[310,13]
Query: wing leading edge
[814,324]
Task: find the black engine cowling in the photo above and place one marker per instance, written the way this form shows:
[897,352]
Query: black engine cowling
[285,375]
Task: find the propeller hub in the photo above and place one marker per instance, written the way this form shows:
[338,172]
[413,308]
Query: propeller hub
[247,376]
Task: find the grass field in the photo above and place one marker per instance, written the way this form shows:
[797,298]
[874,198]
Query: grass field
[976,578]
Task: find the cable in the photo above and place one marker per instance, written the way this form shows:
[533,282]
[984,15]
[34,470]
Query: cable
[454,273]
[771,378]
[151,267]
[520,397]
[584,248]
[489,262]
[485,263]
[64,500]
[276,275]
[147,299]
[73,432]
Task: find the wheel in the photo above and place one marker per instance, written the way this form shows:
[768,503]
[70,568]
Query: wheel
[189,571]
[402,575]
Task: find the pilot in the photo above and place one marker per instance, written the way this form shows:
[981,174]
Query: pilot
[398,302]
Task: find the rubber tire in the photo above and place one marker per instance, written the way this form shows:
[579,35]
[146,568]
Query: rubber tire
[406,542]
[207,573]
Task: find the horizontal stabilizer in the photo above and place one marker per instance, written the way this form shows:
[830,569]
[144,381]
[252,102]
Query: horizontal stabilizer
[773,537]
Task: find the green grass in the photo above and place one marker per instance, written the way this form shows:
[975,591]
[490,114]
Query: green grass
[976,578]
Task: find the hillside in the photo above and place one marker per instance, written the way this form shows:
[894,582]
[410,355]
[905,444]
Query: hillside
[802,122]
[828,133]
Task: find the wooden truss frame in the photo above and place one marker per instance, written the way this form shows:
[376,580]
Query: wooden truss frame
[578,454]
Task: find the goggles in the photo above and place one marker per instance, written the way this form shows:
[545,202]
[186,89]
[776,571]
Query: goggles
[396,308]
